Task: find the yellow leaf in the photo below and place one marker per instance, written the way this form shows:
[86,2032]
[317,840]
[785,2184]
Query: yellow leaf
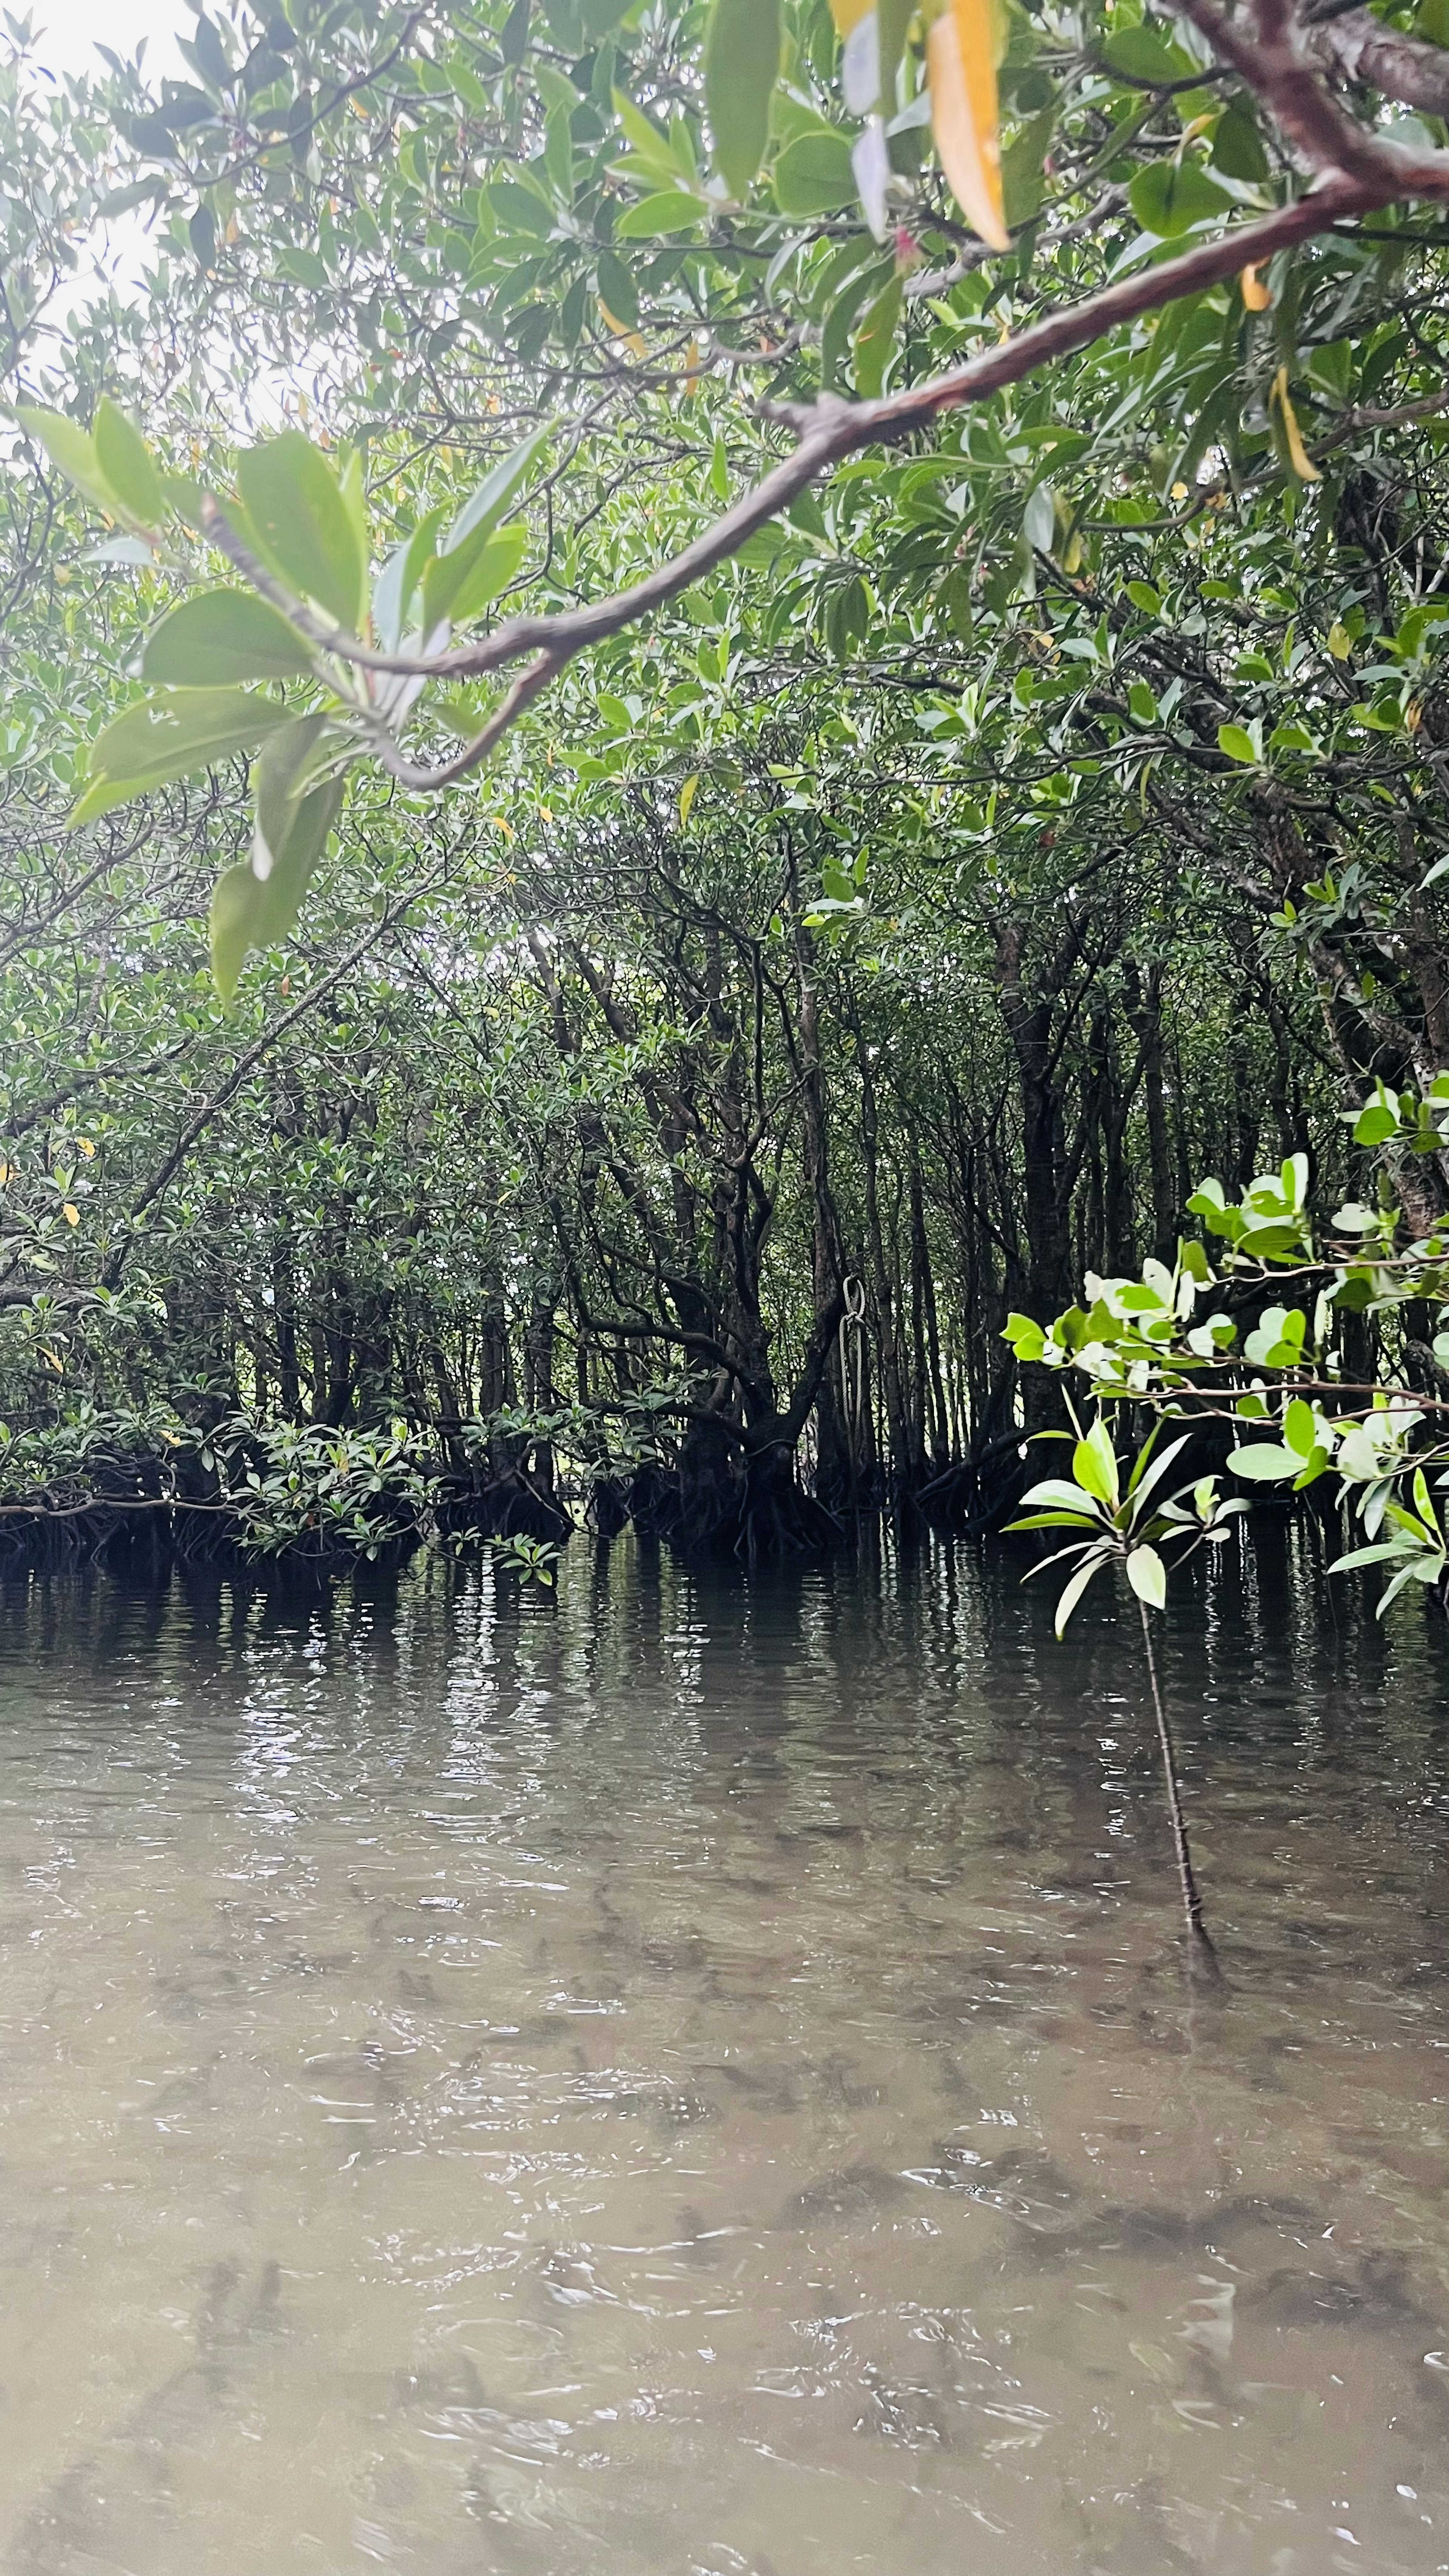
[86,1147]
[1340,642]
[848,14]
[1298,456]
[693,371]
[1256,295]
[687,795]
[505,827]
[961,68]
[57,1364]
[632,340]
[7,1173]
[71,1212]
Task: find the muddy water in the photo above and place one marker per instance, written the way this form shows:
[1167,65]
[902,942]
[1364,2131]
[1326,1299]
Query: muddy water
[674,2082]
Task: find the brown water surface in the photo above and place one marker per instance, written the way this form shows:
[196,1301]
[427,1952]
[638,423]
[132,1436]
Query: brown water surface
[687,2081]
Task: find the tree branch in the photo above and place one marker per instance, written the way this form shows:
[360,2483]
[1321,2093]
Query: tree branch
[1356,173]
[1359,47]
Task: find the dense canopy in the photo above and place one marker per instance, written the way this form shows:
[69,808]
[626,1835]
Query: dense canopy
[698,700]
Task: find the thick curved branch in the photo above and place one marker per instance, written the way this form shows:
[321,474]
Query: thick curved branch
[1359,175]
[529,685]
[1359,47]
[831,429]
[1265,51]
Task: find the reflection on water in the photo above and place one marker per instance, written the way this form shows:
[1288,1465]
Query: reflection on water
[681,2082]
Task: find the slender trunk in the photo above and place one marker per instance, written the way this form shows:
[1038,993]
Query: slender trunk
[1145,1013]
[837,1466]
[538,1363]
[925,1328]
[1202,1958]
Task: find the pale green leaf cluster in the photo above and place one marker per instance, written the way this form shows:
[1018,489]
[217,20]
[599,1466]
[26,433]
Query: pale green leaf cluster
[1136,1341]
[1125,1525]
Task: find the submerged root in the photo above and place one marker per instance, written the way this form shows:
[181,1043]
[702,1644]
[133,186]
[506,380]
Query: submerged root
[732,1513]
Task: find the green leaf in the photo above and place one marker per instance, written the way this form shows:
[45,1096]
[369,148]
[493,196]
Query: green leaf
[248,911]
[71,448]
[1423,1569]
[1237,744]
[302,267]
[647,141]
[459,585]
[1072,1591]
[399,579]
[1054,1492]
[495,567]
[1141,54]
[292,500]
[1238,146]
[126,465]
[489,499]
[520,209]
[1148,1576]
[1094,1464]
[280,776]
[1170,196]
[847,617]
[1025,1336]
[224,635]
[121,550]
[1300,1427]
[1277,1340]
[353,487]
[813,175]
[1377,1123]
[1383,714]
[169,736]
[1149,1471]
[654,218]
[1376,1555]
[1265,1463]
[876,338]
[839,321]
[617,289]
[893,20]
[185,498]
[741,67]
[1023,179]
